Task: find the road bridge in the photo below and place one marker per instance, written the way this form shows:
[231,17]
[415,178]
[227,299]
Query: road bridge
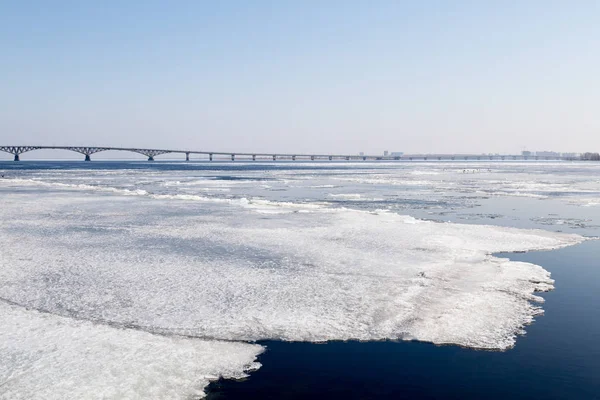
[87,152]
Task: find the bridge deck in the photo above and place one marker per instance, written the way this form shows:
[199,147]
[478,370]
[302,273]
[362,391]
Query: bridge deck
[151,153]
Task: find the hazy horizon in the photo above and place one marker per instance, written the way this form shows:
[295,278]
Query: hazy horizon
[305,77]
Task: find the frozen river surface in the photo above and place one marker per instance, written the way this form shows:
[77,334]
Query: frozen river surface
[143,280]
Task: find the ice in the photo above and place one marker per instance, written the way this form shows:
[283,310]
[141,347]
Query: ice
[86,187]
[174,267]
[383,180]
[128,284]
[570,222]
[47,357]
[425,172]
[586,202]
[261,205]
[350,196]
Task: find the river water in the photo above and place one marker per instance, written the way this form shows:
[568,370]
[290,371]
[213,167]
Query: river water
[308,280]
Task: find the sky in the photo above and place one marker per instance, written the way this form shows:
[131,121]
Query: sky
[302,76]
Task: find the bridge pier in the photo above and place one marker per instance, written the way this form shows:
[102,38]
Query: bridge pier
[274,157]
[16,151]
[233,157]
[293,158]
[210,157]
[253,157]
[364,158]
[150,153]
[87,157]
[330,158]
[312,158]
[187,156]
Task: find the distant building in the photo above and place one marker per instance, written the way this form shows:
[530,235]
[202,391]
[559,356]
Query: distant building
[385,153]
[547,154]
[570,155]
[526,153]
[397,153]
[362,153]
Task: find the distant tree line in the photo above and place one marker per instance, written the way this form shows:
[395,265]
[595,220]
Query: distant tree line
[590,156]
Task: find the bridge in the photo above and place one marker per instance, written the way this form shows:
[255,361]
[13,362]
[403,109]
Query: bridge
[16,151]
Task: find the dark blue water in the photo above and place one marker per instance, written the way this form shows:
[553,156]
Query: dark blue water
[558,358]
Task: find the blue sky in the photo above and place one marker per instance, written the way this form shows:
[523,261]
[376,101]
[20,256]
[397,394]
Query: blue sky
[302,76]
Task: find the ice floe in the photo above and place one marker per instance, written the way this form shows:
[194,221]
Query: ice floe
[44,356]
[231,274]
